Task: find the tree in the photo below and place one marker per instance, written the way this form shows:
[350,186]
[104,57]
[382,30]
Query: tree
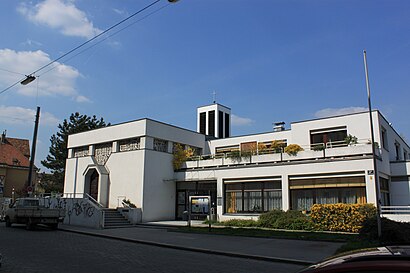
[58,151]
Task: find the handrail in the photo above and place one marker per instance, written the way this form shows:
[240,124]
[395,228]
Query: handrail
[395,209]
[329,145]
[93,201]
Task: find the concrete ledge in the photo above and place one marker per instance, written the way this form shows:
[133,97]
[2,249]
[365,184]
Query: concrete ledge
[194,249]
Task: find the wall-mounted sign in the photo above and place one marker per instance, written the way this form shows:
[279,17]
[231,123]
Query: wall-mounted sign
[199,205]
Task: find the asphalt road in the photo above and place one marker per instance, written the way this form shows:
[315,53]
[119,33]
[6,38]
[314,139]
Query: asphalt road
[44,250]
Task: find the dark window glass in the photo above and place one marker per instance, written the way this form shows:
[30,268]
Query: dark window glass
[227,125]
[202,123]
[334,138]
[384,139]
[303,199]
[253,197]
[221,124]
[211,123]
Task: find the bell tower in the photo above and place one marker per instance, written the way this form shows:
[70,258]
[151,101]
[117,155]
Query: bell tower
[214,120]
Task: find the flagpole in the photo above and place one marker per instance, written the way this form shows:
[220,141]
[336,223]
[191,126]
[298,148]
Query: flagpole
[376,175]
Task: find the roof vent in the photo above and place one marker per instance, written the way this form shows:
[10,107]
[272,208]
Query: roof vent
[279,126]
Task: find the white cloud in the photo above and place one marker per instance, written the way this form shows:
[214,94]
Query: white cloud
[82,99]
[30,43]
[119,11]
[15,115]
[58,81]
[62,15]
[331,112]
[239,121]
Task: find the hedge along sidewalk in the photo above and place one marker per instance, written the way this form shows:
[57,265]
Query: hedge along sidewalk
[262,232]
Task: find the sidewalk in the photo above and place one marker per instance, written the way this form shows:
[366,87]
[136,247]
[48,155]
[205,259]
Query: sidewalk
[162,234]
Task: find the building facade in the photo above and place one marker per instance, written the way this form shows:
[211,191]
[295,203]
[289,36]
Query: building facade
[245,175]
[14,166]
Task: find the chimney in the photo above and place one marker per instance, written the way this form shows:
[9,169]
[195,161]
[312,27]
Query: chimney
[279,126]
[3,137]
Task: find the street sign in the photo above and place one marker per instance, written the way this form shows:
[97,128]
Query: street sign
[29,189]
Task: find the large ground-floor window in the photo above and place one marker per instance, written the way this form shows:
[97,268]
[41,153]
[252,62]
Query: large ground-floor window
[303,199]
[306,191]
[253,197]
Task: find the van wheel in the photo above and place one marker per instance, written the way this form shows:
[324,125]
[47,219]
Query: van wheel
[8,223]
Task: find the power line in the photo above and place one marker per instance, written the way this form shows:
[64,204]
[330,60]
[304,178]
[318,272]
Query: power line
[109,36]
[83,44]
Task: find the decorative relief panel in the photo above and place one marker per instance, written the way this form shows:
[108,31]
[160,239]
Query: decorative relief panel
[130,144]
[81,151]
[102,153]
[160,145]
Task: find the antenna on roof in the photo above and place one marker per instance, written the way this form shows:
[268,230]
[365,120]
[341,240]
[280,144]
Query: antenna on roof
[214,96]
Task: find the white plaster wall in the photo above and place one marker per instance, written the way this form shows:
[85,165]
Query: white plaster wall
[159,188]
[400,193]
[284,171]
[175,134]
[400,190]
[107,134]
[249,138]
[126,172]
[74,180]
[392,138]
[357,125]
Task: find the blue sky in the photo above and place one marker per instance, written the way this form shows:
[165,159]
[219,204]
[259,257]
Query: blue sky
[268,60]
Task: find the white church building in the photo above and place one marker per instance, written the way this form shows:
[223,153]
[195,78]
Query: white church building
[244,175]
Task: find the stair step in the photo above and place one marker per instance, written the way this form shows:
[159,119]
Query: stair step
[114,219]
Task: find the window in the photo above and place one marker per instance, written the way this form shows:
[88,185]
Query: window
[81,151]
[249,147]
[332,190]
[227,125]
[221,124]
[202,123]
[303,199]
[330,137]
[211,123]
[102,152]
[129,144]
[384,191]
[160,145]
[384,139]
[222,151]
[253,197]
[405,156]
[397,146]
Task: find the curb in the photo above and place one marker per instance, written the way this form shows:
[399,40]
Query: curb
[201,250]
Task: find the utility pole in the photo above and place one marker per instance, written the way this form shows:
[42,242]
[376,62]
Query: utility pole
[376,175]
[33,149]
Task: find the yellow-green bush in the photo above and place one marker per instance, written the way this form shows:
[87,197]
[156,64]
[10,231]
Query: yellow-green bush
[341,217]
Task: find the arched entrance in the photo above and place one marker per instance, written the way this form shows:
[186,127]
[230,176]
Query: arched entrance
[96,183]
[93,189]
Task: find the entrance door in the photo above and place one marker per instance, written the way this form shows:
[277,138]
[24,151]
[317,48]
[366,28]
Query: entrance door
[187,189]
[93,190]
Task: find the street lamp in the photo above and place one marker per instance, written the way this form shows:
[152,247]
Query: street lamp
[28,80]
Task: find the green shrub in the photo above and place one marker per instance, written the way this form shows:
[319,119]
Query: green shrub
[240,223]
[291,219]
[341,217]
[293,149]
[318,147]
[392,232]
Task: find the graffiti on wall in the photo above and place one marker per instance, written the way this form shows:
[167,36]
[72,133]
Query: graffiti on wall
[73,207]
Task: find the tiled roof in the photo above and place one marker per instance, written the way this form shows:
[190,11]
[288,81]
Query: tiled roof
[21,144]
[15,152]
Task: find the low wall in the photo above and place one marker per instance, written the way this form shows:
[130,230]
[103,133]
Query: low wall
[134,215]
[398,217]
[79,211]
